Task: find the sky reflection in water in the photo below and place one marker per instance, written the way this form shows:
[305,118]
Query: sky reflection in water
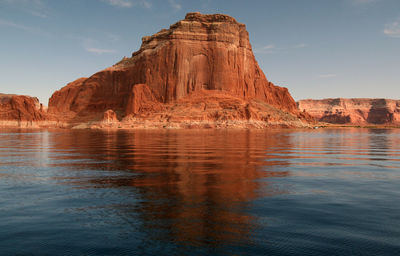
[283,192]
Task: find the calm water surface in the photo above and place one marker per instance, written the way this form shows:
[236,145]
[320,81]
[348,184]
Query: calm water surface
[280,192]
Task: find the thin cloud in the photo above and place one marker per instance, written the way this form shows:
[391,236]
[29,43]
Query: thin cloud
[175,5]
[120,3]
[146,4]
[128,3]
[266,49]
[298,46]
[30,29]
[100,51]
[271,48]
[392,29]
[34,7]
[7,23]
[92,45]
[38,14]
[362,2]
[327,76]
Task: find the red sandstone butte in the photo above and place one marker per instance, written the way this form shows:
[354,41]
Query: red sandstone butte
[204,58]
[20,110]
[353,111]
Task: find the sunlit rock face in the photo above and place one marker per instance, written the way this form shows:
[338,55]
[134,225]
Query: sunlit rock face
[353,111]
[20,108]
[203,55]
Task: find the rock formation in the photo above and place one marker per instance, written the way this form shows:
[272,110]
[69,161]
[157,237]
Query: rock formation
[110,117]
[200,69]
[353,111]
[20,110]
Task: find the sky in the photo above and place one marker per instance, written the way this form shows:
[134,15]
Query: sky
[315,48]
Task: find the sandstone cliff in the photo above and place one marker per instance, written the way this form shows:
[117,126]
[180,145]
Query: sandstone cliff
[200,69]
[20,110]
[353,111]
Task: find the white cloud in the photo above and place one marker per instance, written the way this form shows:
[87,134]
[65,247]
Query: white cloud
[129,3]
[327,75]
[175,5]
[392,29]
[100,51]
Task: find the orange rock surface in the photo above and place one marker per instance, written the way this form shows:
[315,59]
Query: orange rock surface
[20,108]
[201,68]
[353,111]
[110,117]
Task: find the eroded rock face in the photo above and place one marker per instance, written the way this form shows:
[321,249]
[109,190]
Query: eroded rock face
[353,111]
[110,116]
[20,108]
[207,53]
[142,100]
[213,109]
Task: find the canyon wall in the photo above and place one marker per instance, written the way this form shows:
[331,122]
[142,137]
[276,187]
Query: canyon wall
[353,111]
[20,110]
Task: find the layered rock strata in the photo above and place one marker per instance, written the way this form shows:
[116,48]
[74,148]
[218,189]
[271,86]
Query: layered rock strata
[353,111]
[200,69]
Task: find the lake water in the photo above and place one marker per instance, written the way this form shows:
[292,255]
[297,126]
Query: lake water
[184,192]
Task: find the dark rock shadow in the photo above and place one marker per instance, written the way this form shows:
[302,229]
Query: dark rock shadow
[379,112]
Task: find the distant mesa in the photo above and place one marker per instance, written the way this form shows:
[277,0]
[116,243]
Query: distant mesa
[353,111]
[201,72]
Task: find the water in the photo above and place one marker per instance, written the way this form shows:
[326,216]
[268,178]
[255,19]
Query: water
[279,192]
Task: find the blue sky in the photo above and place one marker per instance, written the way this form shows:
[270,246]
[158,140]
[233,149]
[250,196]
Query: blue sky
[316,48]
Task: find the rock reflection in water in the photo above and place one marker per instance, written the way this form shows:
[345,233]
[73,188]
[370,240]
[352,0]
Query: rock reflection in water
[194,187]
[175,192]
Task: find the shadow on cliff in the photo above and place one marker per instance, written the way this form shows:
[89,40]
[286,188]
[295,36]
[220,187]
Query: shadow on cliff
[335,118]
[379,112]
